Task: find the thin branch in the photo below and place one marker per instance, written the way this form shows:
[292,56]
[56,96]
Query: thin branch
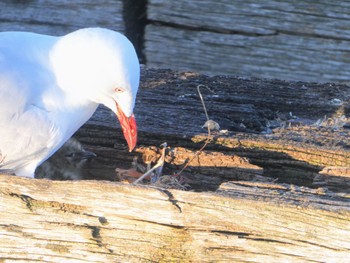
[160,163]
[197,153]
[208,127]
[201,97]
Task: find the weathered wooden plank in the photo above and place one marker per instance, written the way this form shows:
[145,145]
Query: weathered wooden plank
[279,39]
[60,17]
[172,95]
[317,18]
[272,130]
[48,221]
[311,59]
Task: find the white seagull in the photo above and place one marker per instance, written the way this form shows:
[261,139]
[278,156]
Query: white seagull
[50,86]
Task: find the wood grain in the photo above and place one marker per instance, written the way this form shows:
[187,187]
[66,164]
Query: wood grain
[279,39]
[47,221]
[319,18]
[60,17]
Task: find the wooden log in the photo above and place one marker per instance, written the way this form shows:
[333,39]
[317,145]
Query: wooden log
[47,221]
[256,193]
[60,17]
[278,39]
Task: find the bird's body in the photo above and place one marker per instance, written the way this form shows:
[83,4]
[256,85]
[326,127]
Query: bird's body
[65,164]
[50,86]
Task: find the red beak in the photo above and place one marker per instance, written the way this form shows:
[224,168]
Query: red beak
[129,128]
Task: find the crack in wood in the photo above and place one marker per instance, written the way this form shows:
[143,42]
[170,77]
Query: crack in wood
[211,30]
[96,236]
[26,199]
[32,22]
[248,236]
[269,240]
[171,198]
[161,224]
[234,233]
[32,203]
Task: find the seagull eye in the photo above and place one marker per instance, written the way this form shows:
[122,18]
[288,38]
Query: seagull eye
[119,90]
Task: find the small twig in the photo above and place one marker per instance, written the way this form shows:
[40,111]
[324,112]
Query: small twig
[160,163]
[196,154]
[201,97]
[148,172]
[208,127]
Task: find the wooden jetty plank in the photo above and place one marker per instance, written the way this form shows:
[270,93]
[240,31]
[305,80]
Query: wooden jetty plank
[285,40]
[318,18]
[60,17]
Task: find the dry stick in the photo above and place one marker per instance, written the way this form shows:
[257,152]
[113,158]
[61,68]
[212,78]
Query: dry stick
[208,136]
[196,154]
[201,97]
[158,164]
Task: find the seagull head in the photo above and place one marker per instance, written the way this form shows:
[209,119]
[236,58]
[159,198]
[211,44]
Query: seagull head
[99,66]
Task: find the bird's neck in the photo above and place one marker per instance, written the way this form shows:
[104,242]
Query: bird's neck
[67,111]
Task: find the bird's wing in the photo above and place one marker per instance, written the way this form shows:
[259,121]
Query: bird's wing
[27,131]
[28,137]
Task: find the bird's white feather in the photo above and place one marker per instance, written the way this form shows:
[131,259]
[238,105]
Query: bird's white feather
[50,86]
